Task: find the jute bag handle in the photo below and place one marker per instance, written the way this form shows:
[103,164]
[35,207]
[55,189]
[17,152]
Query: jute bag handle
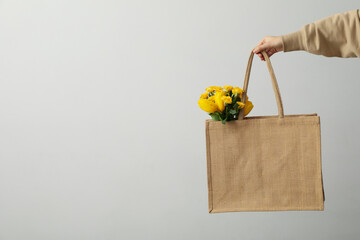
[274,84]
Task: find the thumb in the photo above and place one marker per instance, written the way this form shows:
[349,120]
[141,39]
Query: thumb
[260,48]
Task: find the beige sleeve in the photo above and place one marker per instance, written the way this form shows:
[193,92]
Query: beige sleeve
[334,36]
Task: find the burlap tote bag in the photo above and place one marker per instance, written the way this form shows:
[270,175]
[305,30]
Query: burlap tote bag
[264,163]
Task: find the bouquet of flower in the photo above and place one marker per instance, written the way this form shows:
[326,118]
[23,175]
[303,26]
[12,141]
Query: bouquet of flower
[224,103]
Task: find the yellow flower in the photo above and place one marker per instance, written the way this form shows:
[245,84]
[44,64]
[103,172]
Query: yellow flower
[228,88]
[207,106]
[204,95]
[248,107]
[218,100]
[241,105]
[227,99]
[237,90]
[212,98]
[209,89]
[213,88]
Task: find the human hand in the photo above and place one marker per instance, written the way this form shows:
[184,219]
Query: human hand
[271,45]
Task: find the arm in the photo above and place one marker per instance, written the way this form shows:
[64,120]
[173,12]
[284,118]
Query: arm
[334,36]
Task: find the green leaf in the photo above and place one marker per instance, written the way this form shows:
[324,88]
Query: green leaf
[215,116]
[225,118]
[232,111]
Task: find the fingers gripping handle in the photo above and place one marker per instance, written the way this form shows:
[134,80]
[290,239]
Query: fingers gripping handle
[273,81]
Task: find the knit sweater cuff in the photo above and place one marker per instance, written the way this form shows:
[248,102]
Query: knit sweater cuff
[293,41]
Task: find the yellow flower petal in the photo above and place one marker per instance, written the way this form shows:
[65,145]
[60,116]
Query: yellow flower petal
[228,88]
[237,90]
[207,106]
[218,100]
[241,105]
[248,107]
[213,88]
[209,89]
[204,95]
[212,98]
[227,99]
[217,88]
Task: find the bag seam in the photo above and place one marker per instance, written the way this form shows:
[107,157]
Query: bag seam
[210,195]
[320,162]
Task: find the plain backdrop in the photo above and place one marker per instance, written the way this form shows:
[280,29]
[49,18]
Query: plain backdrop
[101,136]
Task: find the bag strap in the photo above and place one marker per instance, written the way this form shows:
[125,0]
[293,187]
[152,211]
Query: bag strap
[273,80]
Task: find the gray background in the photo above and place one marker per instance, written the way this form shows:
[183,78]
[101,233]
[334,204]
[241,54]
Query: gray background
[101,136]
